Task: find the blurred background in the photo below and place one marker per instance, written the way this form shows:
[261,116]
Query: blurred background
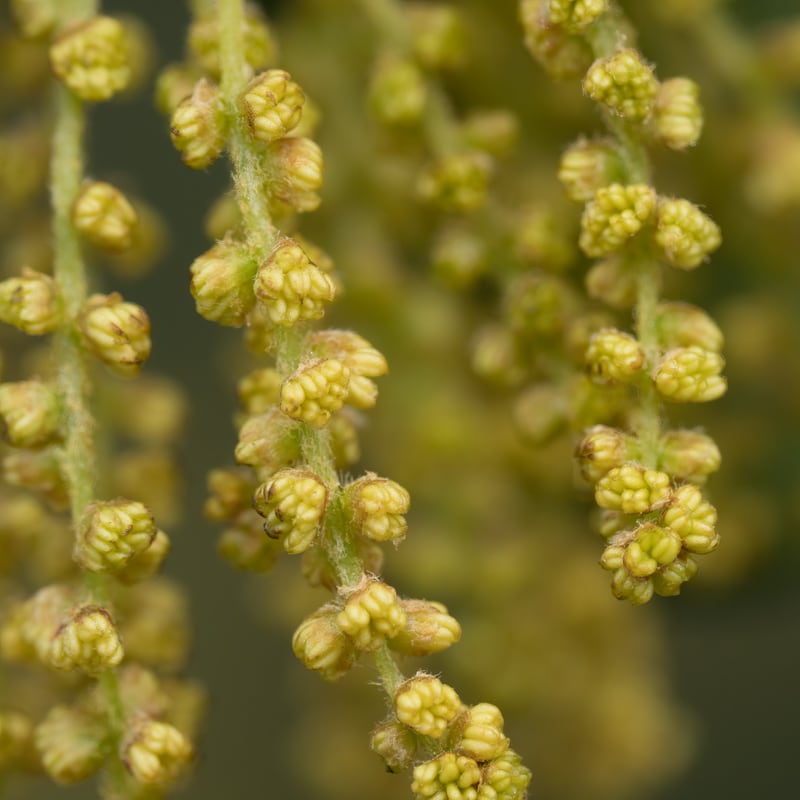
[690,697]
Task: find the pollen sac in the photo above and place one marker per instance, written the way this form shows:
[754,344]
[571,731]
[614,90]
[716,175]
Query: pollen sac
[690,375]
[427,705]
[624,84]
[633,489]
[293,503]
[273,105]
[315,391]
[91,58]
[291,286]
[372,614]
[614,216]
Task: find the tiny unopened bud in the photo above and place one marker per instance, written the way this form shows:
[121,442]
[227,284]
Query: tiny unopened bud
[447,776]
[507,776]
[482,733]
[291,286]
[633,489]
[86,639]
[601,450]
[685,234]
[259,390]
[118,333]
[197,126]
[293,504]
[222,283]
[427,705]
[691,375]
[689,455]
[575,15]
[397,92]
[677,116]
[30,303]
[614,280]
[267,440]
[379,507]
[91,58]
[315,390]
[615,215]
[244,546]
[624,84]
[685,325]
[110,533]
[372,614]
[273,105]
[155,752]
[428,629]
[562,54]
[104,216]
[71,743]
[693,519]
[457,182]
[637,591]
[145,563]
[395,744]
[30,412]
[323,646]
[668,581]
[298,166]
[586,166]
[614,356]
[653,547]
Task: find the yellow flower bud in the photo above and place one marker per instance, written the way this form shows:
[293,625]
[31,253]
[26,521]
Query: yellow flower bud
[685,325]
[505,778]
[667,581]
[426,705]
[689,455]
[293,503]
[30,412]
[245,547]
[690,375]
[693,519]
[91,58]
[155,753]
[575,14]
[378,506]
[197,126]
[323,646]
[684,233]
[601,450]
[482,734]
[636,591]
[586,166]
[614,216]
[71,743]
[175,83]
[371,614]
[222,284]
[298,169]
[562,54]
[677,116]
[397,92]
[104,216]
[614,280]
[259,390]
[447,776]
[39,470]
[624,84]
[291,286]
[457,182]
[315,390]
[87,640]
[651,548]
[395,744]
[428,629]
[614,356]
[30,303]
[273,105]
[110,533]
[268,440]
[633,489]
[118,333]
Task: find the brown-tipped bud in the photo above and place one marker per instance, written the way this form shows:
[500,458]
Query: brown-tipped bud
[145,563]
[103,214]
[322,645]
[72,743]
[428,629]
[298,166]
[293,504]
[685,325]
[155,753]
[378,506]
[273,105]
[197,126]
[291,286]
[118,333]
[601,450]
[86,639]
[110,533]
[426,705]
[91,58]
[315,390]
[457,182]
[586,166]
[30,303]
[30,413]
[395,743]
[689,455]
[372,614]
[222,283]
